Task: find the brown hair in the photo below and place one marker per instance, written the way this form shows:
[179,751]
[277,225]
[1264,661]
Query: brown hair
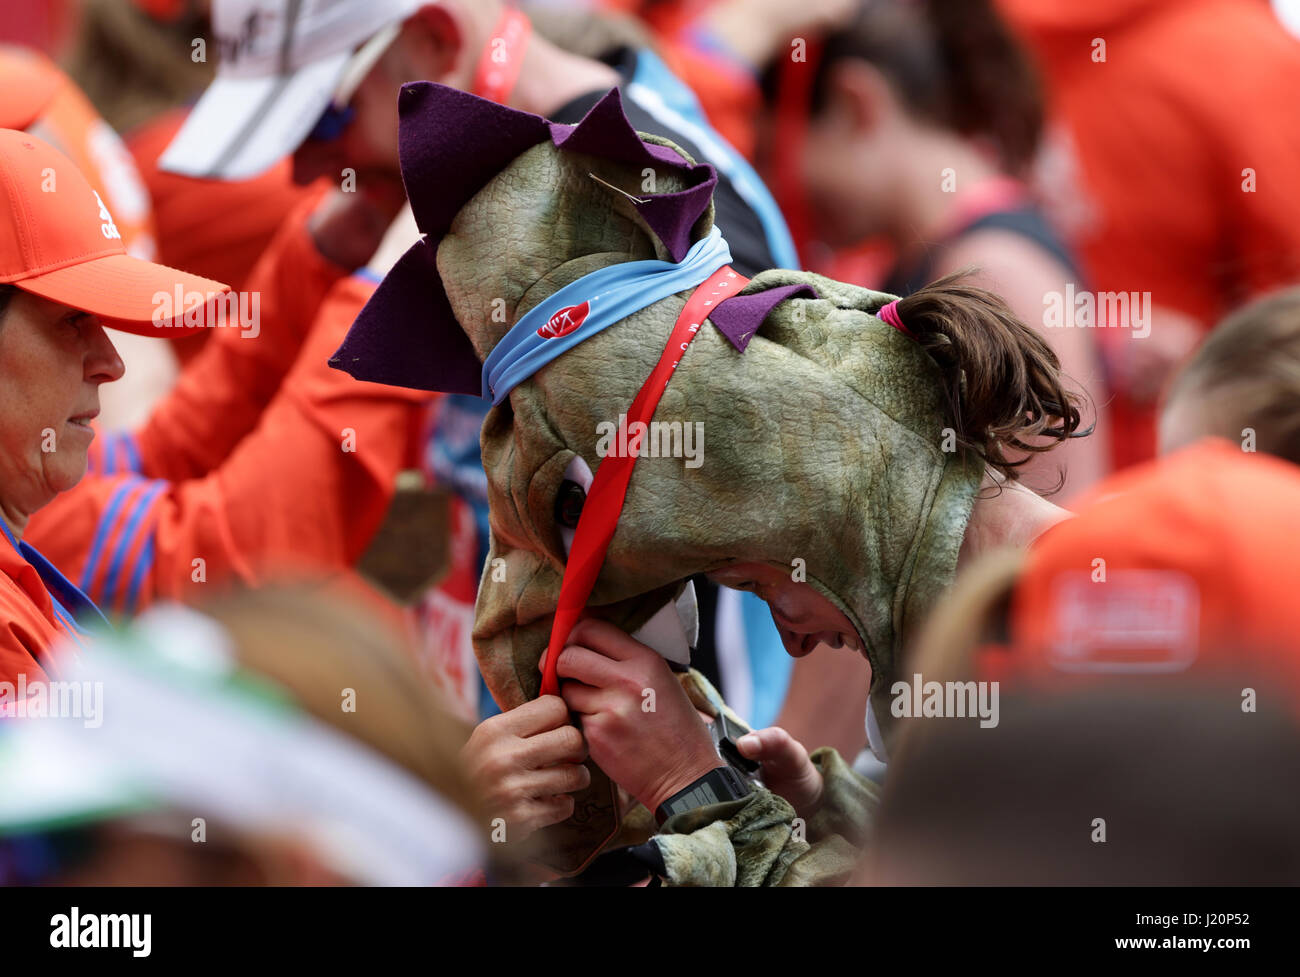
[132,66]
[1003,383]
[952,62]
[1247,372]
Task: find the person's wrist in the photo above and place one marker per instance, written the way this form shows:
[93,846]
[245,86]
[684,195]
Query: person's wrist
[679,780]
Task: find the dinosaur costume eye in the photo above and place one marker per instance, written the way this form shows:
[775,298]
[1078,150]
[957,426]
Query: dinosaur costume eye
[568,504]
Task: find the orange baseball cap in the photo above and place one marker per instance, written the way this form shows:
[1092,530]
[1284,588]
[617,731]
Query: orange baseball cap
[58,240]
[1185,564]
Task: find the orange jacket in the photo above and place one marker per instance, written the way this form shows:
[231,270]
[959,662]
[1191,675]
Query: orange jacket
[306,490]
[1181,565]
[39,609]
[221,395]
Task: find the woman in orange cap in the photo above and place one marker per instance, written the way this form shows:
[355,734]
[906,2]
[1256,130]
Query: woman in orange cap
[64,273]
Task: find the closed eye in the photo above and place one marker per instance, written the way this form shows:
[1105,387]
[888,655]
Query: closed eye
[77,319]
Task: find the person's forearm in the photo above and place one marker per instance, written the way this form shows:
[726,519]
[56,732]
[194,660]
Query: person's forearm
[221,395]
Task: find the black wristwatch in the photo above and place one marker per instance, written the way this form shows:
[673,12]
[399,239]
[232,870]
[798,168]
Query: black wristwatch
[718,785]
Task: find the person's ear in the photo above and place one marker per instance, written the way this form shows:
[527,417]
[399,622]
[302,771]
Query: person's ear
[860,97]
[433,42]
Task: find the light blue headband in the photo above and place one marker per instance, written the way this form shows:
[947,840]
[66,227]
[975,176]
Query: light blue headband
[581,309]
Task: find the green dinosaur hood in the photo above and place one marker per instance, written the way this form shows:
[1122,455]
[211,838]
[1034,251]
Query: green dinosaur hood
[821,440]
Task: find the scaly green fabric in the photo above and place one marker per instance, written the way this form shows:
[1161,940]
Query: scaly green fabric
[821,453]
[759,842]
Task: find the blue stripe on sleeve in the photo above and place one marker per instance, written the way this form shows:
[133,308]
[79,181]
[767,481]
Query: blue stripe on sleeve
[110,452]
[106,522]
[132,452]
[137,578]
[138,512]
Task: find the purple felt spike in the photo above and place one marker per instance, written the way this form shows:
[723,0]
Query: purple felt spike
[672,215]
[739,317]
[452,144]
[606,132]
[407,335]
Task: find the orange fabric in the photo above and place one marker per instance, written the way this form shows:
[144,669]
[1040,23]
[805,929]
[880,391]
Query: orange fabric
[1183,564]
[28,626]
[221,394]
[38,97]
[216,228]
[304,492]
[1191,94]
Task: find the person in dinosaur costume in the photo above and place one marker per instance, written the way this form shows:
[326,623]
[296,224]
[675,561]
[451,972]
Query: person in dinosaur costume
[848,436]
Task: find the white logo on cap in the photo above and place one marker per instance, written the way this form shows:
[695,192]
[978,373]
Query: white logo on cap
[1139,621]
[108,228]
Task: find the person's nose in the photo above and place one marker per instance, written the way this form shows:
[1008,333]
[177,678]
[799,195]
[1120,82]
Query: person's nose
[103,364]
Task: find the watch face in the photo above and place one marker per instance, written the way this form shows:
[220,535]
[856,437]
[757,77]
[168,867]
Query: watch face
[715,787]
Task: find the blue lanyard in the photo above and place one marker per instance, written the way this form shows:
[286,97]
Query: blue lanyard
[604,297]
[63,592]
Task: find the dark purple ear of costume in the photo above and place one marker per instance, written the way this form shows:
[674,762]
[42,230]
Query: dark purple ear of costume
[452,143]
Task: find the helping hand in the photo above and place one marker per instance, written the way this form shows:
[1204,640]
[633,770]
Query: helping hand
[787,769]
[526,763]
[640,725]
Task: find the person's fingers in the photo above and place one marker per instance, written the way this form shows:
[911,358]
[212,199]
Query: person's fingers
[606,639]
[779,752]
[563,778]
[563,744]
[583,699]
[536,716]
[587,667]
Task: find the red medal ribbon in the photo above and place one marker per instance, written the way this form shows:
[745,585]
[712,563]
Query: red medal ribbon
[604,502]
[502,58]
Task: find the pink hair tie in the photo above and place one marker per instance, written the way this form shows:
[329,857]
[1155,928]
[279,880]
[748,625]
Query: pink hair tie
[889,313]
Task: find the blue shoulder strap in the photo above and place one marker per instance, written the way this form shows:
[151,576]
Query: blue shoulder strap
[77,611]
[665,96]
